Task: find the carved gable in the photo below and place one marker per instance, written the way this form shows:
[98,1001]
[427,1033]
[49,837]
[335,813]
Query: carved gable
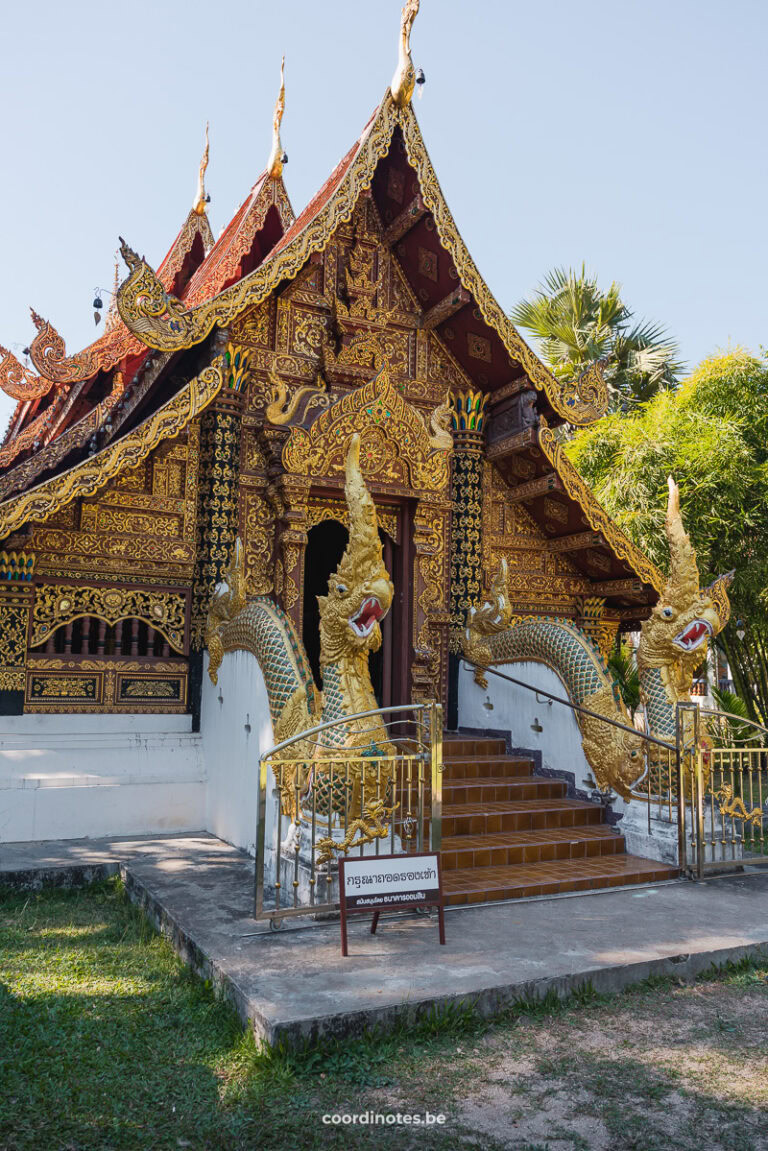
[540,580]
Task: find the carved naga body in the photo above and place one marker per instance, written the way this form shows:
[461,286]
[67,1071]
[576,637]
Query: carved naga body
[673,643]
[493,637]
[359,596]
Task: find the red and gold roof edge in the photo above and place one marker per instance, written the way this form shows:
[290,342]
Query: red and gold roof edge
[165,323]
[48,350]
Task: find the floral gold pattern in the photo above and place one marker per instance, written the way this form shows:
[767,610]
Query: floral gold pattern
[58,604]
[87,477]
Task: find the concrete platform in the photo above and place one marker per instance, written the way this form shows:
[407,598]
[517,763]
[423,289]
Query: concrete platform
[294,984]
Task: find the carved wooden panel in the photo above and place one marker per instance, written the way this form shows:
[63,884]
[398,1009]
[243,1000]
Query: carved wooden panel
[141,526]
[539,580]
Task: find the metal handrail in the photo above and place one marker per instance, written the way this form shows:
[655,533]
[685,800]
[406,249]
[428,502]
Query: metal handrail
[304,735]
[740,719]
[567,703]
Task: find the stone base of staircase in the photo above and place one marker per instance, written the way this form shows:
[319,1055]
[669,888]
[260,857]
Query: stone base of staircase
[508,834]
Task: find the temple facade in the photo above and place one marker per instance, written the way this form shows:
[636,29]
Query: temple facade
[218,405]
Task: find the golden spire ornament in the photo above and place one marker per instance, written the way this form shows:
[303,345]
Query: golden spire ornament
[277,156]
[200,197]
[404,79]
[112,313]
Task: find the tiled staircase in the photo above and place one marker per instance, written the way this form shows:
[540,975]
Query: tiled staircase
[508,833]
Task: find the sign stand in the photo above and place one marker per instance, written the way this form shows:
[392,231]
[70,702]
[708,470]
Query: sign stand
[382,882]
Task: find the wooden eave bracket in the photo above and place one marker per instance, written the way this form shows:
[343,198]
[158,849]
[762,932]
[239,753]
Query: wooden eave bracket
[445,308]
[407,219]
[512,445]
[541,486]
[611,587]
[579,541]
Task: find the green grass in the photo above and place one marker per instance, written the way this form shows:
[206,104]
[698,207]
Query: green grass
[107,1042]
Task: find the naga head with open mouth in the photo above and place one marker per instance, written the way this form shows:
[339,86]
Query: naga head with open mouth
[360,591]
[686,616]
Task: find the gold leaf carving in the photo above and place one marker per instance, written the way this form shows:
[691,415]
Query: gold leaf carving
[87,477]
[395,446]
[58,604]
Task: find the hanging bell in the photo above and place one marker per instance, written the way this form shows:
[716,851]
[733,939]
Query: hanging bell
[98,303]
[421,80]
[284,158]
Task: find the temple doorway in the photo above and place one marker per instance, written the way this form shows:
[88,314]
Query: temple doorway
[325,547]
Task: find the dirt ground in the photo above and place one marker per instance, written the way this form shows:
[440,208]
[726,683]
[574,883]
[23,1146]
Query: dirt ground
[660,1068]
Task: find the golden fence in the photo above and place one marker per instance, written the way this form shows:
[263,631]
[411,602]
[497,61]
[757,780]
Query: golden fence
[319,801]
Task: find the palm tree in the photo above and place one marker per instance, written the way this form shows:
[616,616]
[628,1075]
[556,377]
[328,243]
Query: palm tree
[577,325]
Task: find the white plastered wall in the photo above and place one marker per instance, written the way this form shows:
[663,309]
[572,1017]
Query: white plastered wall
[236,729]
[76,776]
[505,707]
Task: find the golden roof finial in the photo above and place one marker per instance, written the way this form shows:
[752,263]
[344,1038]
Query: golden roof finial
[276,161]
[112,313]
[200,198]
[404,79]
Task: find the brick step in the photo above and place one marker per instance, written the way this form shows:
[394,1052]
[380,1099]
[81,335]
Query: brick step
[509,848]
[478,884]
[456,747]
[471,766]
[525,815]
[489,789]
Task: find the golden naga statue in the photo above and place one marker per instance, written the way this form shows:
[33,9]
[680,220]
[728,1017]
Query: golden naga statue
[142,301]
[674,640]
[493,636]
[673,643]
[359,596]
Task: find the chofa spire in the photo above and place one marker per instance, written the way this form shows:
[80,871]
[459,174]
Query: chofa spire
[277,156]
[201,198]
[404,79]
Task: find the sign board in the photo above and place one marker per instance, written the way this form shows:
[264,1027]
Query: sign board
[385,882]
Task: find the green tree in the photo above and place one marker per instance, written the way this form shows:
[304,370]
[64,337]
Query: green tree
[711,434]
[577,324]
[623,664]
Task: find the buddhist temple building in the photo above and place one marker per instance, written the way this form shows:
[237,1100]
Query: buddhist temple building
[218,404]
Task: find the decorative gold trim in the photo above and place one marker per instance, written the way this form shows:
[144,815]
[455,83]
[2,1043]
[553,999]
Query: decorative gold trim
[59,604]
[319,510]
[69,685]
[599,520]
[45,459]
[88,476]
[395,445]
[161,321]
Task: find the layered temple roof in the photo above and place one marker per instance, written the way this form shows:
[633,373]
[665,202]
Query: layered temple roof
[77,404]
[142,365]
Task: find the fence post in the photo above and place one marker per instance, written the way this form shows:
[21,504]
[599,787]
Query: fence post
[699,786]
[436,755]
[261,813]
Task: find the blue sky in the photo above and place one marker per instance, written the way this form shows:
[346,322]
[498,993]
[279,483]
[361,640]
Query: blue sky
[629,135]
